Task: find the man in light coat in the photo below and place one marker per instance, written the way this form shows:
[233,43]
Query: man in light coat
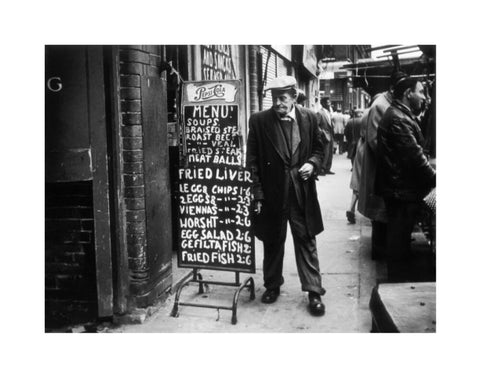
[339,123]
[326,127]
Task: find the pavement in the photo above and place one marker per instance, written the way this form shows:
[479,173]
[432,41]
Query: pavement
[348,275]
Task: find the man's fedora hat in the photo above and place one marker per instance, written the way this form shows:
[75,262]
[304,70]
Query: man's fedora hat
[282,83]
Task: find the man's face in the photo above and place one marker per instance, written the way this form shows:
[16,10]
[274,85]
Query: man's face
[326,104]
[283,101]
[416,98]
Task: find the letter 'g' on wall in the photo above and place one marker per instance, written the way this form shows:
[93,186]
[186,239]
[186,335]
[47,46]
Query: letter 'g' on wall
[54,84]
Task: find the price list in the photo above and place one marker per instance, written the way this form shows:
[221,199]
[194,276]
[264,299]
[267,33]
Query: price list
[215,228]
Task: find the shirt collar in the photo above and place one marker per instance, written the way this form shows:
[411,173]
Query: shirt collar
[403,107]
[291,114]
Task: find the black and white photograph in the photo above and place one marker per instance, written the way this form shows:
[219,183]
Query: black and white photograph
[239,188]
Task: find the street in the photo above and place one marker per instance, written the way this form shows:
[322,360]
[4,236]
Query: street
[348,275]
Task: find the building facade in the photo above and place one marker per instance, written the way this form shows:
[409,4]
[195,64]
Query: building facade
[113,149]
[336,82]
[107,186]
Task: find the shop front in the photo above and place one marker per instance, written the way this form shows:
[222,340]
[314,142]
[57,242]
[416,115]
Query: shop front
[114,148]
[107,188]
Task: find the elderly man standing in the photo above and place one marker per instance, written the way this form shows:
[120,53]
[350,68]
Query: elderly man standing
[284,154]
[404,176]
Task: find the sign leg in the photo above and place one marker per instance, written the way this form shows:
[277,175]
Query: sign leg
[249,283]
[174,312]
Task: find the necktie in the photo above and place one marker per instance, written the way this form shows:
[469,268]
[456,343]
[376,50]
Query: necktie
[294,132]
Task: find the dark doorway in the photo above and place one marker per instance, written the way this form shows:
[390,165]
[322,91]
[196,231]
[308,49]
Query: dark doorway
[78,270]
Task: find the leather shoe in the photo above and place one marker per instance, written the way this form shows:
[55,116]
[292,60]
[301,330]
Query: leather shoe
[315,304]
[321,172]
[330,172]
[351,217]
[270,295]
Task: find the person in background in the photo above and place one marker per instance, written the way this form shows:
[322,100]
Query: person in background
[316,105]
[284,154]
[357,160]
[338,123]
[325,123]
[371,205]
[428,123]
[301,98]
[404,175]
[352,134]
[346,115]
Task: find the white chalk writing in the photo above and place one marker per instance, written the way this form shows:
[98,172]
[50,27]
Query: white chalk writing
[214,190]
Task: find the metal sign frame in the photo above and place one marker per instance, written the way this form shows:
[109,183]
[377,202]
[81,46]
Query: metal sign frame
[206,93]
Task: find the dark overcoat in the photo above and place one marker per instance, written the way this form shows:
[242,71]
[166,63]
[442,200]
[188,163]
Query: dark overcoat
[326,129]
[403,171]
[325,124]
[268,161]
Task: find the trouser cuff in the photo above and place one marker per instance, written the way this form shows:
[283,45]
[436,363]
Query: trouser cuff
[310,288]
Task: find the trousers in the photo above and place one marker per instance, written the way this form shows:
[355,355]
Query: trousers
[305,251]
[379,239]
[401,220]
[328,159]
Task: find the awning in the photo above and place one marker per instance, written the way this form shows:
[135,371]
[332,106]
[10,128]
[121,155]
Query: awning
[331,70]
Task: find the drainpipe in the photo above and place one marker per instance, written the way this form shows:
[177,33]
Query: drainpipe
[253,78]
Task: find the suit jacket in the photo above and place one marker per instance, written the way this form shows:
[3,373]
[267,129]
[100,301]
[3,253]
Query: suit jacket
[338,122]
[269,162]
[352,134]
[325,123]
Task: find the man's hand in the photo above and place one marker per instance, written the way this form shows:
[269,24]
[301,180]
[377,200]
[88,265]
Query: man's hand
[257,206]
[306,171]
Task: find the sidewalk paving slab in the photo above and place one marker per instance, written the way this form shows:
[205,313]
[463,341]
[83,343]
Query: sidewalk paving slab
[348,274]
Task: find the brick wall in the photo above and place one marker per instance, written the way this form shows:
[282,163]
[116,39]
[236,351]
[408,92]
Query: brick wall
[135,61]
[70,289]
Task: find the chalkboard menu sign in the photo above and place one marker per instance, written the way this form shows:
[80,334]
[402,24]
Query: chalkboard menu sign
[215,227]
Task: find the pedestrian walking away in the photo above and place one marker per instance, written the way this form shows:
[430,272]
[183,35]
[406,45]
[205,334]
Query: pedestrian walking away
[326,127]
[352,134]
[357,160]
[339,122]
[284,155]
